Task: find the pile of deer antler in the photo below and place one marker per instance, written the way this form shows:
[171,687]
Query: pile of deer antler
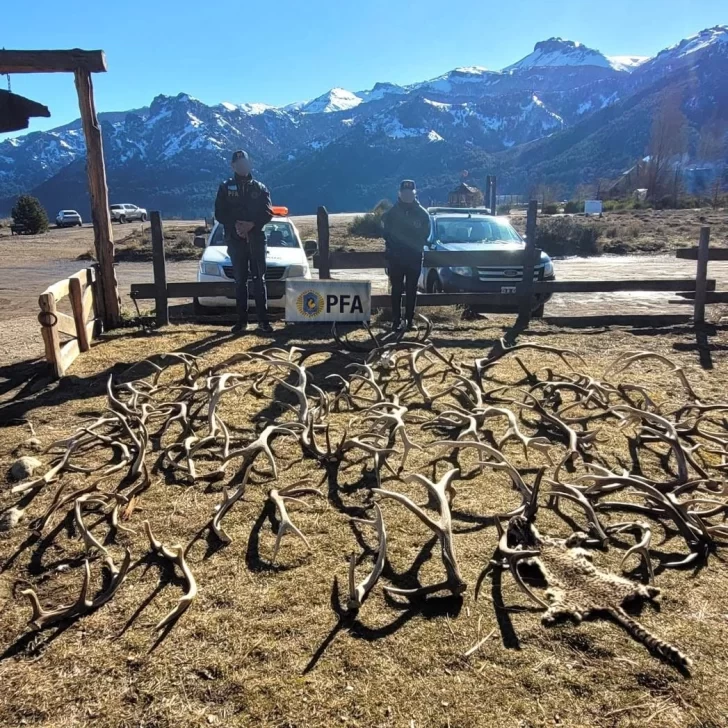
[396,391]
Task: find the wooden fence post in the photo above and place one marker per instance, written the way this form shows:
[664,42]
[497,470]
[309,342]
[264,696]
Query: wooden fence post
[701,275]
[486,194]
[322,224]
[108,301]
[529,263]
[160,270]
[76,295]
[493,196]
[48,319]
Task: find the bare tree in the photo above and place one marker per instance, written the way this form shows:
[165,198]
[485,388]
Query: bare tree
[668,142]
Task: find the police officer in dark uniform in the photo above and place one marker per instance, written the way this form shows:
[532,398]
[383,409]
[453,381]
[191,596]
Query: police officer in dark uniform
[243,207]
[406,231]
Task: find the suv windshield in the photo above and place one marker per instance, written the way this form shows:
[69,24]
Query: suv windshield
[277,235]
[474,230]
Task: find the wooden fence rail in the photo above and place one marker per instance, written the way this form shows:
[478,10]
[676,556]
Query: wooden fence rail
[517,296]
[81,325]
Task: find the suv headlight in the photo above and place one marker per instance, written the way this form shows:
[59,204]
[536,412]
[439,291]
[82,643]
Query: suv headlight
[548,269]
[210,269]
[298,271]
[463,271]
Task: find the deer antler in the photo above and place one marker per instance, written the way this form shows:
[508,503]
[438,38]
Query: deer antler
[631,357]
[44,617]
[442,528]
[177,556]
[358,593]
[641,547]
[279,497]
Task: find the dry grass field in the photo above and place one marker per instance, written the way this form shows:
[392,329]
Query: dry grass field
[268,645]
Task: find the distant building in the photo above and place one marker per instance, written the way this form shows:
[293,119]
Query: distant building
[465,196]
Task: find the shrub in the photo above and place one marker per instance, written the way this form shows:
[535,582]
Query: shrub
[30,213]
[550,208]
[504,210]
[573,206]
[560,236]
[369,225]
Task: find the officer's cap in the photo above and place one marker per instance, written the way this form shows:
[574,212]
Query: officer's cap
[240,154]
[407,184]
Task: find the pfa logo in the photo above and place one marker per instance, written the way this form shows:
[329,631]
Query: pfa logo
[310,304]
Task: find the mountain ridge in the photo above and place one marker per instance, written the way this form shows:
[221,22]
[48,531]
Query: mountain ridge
[176,149]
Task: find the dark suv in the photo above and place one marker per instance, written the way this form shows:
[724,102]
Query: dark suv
[473,229]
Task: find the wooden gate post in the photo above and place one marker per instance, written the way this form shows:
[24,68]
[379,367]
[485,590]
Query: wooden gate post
[701,275]
[322,224]
[103,238]
[529,263]
[486,194]
[159,264]
[493,196]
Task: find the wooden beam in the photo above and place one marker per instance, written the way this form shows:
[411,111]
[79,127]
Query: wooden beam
[65,324]
[108,300]
[52,61]
[49,331]
[69,353]
[161,308]
[526,285]
[322,225]
[701,275]
[692,253]
[276,289]
[76,295]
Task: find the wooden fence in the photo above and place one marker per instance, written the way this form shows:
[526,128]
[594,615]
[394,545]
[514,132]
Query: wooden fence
[517,296]
[81,326]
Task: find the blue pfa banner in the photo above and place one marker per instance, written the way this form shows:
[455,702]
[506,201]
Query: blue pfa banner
[327,301]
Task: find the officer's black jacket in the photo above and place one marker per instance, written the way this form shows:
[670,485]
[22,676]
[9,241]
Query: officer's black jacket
[245,199]
[406,228]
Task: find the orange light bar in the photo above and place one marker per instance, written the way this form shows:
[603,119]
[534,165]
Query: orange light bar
[279,211]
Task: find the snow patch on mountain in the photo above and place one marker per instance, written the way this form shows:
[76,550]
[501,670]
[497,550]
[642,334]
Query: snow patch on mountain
[626,63]
[337,99]
[557,52]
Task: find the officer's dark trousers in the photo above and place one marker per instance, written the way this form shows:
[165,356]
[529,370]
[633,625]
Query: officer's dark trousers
[403,275]
[248,260]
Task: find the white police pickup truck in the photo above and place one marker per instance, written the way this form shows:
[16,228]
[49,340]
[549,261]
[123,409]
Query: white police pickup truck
[286,257]
[466,229]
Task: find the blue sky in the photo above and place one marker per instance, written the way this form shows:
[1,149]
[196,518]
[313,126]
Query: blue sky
[276,53]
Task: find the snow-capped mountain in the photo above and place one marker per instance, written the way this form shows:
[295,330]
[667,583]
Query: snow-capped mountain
[345,143]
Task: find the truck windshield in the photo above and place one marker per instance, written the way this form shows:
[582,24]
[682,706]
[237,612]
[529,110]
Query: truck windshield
[277,235]
[474,230]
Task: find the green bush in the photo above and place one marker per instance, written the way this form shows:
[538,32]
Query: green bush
[504,210]
[573,206]
[560,236]
[550,208]
[30,213]
[369,225]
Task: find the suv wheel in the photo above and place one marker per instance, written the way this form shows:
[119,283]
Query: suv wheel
[122,219]
[143,218]
[538,312]
[434,285]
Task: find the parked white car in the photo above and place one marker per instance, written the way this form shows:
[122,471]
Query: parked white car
[127,213]
[286,257]
[68,218]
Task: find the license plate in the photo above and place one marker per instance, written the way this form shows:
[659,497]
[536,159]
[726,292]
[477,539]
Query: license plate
[508,289]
